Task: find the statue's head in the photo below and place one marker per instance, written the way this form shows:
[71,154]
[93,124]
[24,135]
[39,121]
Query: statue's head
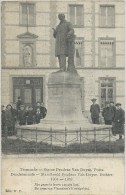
[61,16]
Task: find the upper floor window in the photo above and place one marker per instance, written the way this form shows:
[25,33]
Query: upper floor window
[79,51]
[76,15]
[27,14]
[107,53]
[107,16]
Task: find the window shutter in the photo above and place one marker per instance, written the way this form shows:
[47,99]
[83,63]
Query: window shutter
[110,16]
[110,94]
[31,14]
[103,55]
[110,55]
[78,52]
[79,15]
[72,14]
[24,14]
[102,16]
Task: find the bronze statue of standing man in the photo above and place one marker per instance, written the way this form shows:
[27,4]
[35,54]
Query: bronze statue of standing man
[64,35]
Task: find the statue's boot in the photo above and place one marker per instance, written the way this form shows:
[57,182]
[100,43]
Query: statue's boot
[71,68]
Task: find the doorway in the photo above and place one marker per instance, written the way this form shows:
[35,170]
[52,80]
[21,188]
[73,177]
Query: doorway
[30,89]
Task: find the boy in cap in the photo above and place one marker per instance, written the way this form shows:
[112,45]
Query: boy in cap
[22,115]
[118,122]
[38,116]
[95,111]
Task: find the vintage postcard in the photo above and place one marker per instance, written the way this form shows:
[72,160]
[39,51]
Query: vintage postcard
[62,97]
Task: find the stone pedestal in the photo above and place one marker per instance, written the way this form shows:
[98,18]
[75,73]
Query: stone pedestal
[64,101]
[64,118]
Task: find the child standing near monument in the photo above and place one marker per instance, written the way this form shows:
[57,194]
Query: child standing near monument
[38,116]
[22,115]
[30,116]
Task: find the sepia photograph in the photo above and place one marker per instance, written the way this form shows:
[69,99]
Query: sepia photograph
[63,85]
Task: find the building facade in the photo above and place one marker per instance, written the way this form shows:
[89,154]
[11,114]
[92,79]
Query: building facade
[28,49]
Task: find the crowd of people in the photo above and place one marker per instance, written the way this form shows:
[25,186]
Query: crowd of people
[112,114]
[18,113]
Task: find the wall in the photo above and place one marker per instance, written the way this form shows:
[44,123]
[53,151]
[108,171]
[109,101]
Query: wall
[46,18]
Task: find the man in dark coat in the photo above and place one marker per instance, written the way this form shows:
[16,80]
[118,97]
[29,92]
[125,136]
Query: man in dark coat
[43,110]
[118,122]
[9,120]
[107,114]
[112,109]
[95,111]
[64,34]
[3,120]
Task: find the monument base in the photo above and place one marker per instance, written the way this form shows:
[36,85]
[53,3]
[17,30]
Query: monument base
[64,119]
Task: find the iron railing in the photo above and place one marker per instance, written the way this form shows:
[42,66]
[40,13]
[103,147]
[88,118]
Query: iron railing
[75,141]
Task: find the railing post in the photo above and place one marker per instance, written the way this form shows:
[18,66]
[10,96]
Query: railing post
[80,139]
[26,120]
[95,140]
[77,135]
[36,141]
[65,139]
[51,139]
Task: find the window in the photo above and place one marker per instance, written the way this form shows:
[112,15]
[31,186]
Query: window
[79,51]
[107,53]
[27,14]
[107,90]
[107,16]
[76,15]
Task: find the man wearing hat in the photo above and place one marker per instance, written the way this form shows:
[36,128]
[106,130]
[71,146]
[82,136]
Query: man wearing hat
[108,113]
[3,120]
[118,122]
[112,109]
[95,111]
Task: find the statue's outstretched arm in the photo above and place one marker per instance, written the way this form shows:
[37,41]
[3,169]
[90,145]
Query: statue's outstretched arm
[54,32]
